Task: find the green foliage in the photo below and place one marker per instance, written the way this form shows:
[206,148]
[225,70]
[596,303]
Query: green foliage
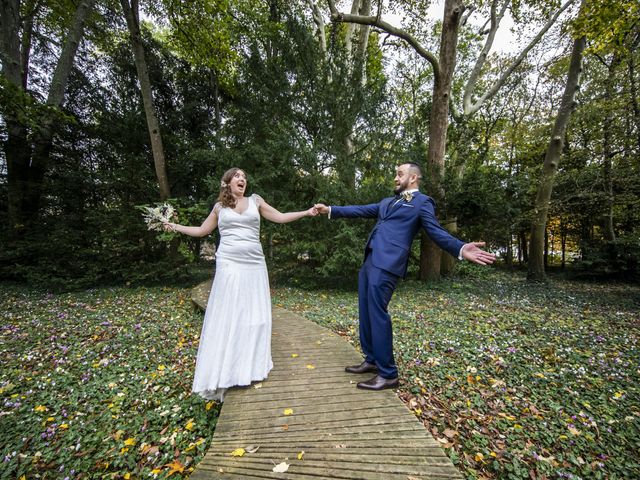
[515,380]
[97,383]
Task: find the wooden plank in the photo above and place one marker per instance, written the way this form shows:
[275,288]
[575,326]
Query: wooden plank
[346,433]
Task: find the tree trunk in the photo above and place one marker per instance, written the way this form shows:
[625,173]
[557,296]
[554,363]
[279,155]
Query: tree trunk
[563,243]
[536,270]
[607,148]
[429,253]
[634,95]
[133,22]
[447,262]
[16,148]
[524,250]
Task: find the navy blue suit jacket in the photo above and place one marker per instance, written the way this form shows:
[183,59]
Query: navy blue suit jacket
[397,225]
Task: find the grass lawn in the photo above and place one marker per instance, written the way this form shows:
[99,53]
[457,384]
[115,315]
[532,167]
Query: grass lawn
[514,380]
[96,384]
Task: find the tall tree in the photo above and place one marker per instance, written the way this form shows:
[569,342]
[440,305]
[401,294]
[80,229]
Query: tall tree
[132,15]
[443,66]
[536,264]
[27,160]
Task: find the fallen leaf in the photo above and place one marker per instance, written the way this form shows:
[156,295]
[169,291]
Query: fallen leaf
[288,411]
[294,355]
[175,467]
[238,452]
[257,385]
[285,427]
[311,367]
[252,448]
[281,467]
[300,455]
[450,433]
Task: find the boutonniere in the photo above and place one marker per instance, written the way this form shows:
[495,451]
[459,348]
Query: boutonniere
[407,196]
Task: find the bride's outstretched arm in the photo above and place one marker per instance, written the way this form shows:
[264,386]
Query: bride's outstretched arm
[208,226]
[270,213]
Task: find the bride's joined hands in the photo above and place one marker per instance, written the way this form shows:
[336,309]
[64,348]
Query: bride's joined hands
[312,212]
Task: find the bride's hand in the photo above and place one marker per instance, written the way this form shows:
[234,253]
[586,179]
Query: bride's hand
[312,212]
[169,227]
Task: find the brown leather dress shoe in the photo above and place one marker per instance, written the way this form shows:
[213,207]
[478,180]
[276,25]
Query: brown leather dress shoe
[364,367]
[379,383]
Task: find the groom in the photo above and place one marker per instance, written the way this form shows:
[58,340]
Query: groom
[385,261]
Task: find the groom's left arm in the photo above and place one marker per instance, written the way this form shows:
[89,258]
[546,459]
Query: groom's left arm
[436,232]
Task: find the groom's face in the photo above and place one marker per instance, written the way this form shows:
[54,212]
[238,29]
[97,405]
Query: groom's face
[403,178]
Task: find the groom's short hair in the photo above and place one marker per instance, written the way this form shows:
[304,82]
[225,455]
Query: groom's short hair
[415,168]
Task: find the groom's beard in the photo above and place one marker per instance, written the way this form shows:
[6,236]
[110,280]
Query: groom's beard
[401,188]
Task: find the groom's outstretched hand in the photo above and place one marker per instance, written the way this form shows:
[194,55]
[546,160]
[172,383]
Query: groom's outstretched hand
[321,208]
[473,253]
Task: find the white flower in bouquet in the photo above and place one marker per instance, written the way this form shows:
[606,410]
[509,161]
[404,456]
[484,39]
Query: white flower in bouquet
[156,217]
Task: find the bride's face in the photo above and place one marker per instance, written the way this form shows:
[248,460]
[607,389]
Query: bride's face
[238,183]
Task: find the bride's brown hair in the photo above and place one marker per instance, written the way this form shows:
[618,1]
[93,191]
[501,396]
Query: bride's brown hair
[225,198]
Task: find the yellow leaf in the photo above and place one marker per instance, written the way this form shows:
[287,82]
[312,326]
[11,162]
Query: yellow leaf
[40,408]
[517,426]
[64,426]
[300,455]
[294,355]
[189,425]
[161,367]
[50,419]
[539,375]
[23,477]
[311,367]
[156,471]
[238,452]
[130,441]
[288,411]
[418,411]
[123,450]
[209,405]
[127,476]
[479,457]
[493,454]
[574,431]
[175,466]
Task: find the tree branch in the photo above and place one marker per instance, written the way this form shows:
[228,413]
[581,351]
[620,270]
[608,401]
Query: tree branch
[469,108]
[495,19]
[337,16]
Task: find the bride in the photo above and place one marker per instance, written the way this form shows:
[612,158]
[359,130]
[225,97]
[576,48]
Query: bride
[235,342]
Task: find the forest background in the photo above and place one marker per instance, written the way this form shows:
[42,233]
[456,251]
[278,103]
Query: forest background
[104,110]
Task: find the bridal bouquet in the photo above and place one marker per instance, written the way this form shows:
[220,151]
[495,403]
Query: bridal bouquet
[155,217]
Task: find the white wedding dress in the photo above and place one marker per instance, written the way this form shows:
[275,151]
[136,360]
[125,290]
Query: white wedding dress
[235,343]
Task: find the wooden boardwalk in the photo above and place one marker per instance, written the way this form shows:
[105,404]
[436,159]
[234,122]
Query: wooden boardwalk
[310,404]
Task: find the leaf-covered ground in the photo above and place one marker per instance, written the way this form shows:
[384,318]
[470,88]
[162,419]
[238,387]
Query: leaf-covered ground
[97,385]
[514,380]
